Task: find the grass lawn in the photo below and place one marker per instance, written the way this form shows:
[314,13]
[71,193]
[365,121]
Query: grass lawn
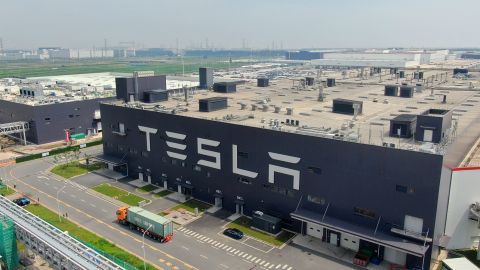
[470,254]
[119,194]
[147,188]
[5,191]
[163,193]
[244,223]
[190,206]
[86,236]
[75,168]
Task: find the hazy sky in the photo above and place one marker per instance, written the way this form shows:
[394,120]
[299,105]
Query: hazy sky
[293,23]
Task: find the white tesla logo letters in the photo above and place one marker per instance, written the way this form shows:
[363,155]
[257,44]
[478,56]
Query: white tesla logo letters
[235,165]
[201,151]
[272,169]
[177,146]
[148,131]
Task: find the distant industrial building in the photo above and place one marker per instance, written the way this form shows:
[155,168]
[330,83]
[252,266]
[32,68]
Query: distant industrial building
[303,55]
[80,53]
[471,55]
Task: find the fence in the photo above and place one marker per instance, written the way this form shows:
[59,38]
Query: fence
[57,151]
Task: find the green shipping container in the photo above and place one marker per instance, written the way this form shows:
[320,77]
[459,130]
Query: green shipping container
[143,218]
[78,136]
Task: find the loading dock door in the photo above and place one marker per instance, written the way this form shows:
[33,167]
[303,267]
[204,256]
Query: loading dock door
[413,224]
[218,202]
[427,135]
[395,256]
[140,176]
[314,230]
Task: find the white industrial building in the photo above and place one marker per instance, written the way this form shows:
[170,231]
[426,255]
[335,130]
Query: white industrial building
[79,53]
[386,58]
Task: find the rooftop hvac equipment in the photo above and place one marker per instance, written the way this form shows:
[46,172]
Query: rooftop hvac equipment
[265,108]
[331,82]
[309,81]
[155,96]
[212,104]
[225,87]
[391,90]
[320,93]
[243,106]
[403,126]
[401,74]
[289,111]
[345,106]
[254,107]
[206,77]
[146,73]
[419,88]
[277,109]
[406,91]
[262,82]
[356,108]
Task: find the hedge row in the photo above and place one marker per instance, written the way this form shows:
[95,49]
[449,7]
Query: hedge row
[56,151]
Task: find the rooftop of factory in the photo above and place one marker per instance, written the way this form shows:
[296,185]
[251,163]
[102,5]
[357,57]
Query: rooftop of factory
[255,106]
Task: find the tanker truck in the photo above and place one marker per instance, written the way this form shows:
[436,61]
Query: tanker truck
[154,226]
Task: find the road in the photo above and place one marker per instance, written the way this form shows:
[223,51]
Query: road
[189,249]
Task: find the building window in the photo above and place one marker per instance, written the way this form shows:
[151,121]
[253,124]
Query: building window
[244,180]
[77,109]
[47,119]
[174,161]
[404,189]
[208,175]
[364,212]
[197,168]
[70,116]
[243,154]
[315,170]
[279,190]
[184,164]
[315,199]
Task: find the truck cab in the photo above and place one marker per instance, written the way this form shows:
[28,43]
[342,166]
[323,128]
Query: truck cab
[122,214]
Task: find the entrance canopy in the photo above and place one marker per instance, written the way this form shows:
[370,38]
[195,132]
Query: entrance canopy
[367,234]
[110,160]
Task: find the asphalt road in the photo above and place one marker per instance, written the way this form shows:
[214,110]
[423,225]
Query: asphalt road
[197,246]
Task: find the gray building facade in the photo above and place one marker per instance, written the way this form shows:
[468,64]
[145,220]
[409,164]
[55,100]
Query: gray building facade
[48,121]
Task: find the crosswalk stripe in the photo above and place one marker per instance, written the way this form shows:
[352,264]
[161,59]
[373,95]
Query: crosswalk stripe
[278,266]
[203,238]
[214,243]
[181,228]
[221,245]
[252,259]
[236,252]
[258,260]
[271,266]
[195,234]
[285,266]
[199,236]
[210,241]
[249,256]
[261,263]
[241,253]
[267,264]
[233,250]
[228,249]
[245,255]
[217,244]
[289,268]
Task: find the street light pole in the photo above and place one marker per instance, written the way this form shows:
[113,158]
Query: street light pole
[58,202]
[143,246]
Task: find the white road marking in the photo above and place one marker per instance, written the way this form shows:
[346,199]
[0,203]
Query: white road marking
[224,266]
[200,241]
[217,244]
[236,252]
[270,267]
[278,266]
[181,229]
[203,238]
[203,256]
[225,247]
[214,243]
[210,241]
[252,259]
[184,247]
[195,234]
[289,268]
[241,253]
[249,256]
[258,260]
[199,236]
[233,250]
[267,264]
[285,266]
[261,263]
[228,249]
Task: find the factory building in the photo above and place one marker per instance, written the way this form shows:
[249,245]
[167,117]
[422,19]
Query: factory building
[353,188]
[303,55]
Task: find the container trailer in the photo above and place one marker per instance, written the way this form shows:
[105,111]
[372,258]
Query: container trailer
[154,226]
